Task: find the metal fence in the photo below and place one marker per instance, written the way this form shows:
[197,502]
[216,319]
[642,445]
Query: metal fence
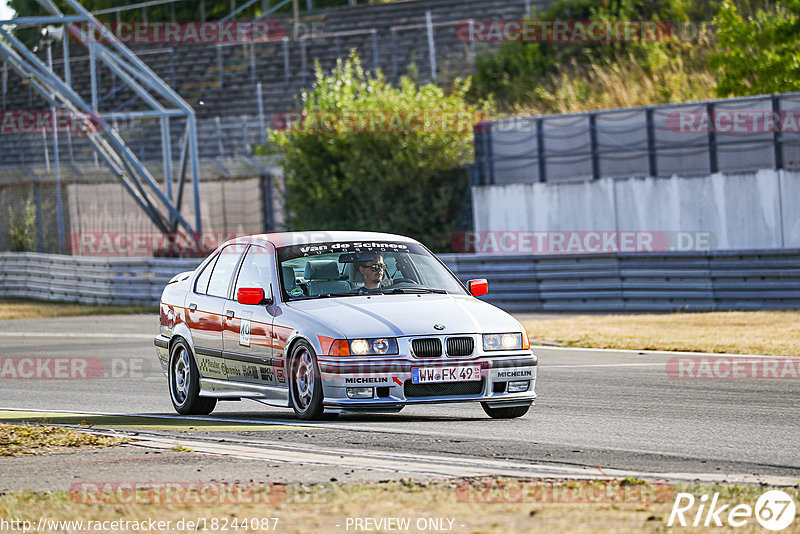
[741,280]
[236,198]
[695,138]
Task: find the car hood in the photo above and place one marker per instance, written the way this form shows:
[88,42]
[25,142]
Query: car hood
[407,315]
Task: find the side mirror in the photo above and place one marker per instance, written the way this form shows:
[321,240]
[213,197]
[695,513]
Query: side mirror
[478,287]
[250,295]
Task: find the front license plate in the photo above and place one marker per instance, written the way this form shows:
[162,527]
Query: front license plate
[457,373]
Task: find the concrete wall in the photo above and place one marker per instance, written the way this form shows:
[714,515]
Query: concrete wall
[759,210]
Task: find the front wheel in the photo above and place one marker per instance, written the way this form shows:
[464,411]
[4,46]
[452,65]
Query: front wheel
[305,386]
[184,383]
[510,412]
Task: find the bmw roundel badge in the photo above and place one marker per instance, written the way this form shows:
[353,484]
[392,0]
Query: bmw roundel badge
[439,326]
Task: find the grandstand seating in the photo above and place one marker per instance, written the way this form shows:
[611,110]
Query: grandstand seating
[194,71]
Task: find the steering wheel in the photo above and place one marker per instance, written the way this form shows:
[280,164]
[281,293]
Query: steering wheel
[401,280]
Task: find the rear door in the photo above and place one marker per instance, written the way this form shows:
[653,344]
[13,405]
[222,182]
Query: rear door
[247,329]
[205,308]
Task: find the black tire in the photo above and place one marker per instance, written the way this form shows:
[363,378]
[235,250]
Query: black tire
[305,383]
[184,382]
[511,412]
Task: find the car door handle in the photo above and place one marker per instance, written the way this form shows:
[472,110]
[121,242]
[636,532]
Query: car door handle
[229,314]
[192,307]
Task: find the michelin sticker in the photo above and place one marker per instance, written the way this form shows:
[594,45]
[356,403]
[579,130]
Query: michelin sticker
[244,329]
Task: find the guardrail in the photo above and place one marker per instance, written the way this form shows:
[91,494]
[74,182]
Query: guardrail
[97,280]
[688,281]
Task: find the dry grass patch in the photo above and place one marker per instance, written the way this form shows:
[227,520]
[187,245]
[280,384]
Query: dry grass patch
[326,508]
[18,440]
[621,83]
[33,309]
[772,333]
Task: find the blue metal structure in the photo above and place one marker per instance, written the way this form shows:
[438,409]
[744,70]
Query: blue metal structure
[162,104]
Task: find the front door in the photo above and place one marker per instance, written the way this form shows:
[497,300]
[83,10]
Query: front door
[247,332]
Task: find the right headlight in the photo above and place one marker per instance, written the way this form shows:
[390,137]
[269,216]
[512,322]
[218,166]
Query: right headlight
[373,347]
[509,341]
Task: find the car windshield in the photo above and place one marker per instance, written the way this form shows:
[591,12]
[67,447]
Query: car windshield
[350,268]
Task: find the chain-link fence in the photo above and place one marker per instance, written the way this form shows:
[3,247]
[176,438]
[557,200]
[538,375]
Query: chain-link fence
[97,216]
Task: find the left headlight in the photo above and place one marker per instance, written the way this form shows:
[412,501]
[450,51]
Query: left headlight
[510,341]
[373,347]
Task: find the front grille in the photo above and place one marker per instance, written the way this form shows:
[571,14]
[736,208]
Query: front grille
[460,346]
[427,347]
[444,389]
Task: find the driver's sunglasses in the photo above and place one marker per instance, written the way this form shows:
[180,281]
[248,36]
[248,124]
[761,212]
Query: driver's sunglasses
[377,267]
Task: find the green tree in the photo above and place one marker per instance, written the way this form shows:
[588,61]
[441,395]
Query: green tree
[371,167]
[22,228]
[516,72]
[758,54]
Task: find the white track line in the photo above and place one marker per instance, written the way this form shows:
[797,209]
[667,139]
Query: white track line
[419,464]
[356,427]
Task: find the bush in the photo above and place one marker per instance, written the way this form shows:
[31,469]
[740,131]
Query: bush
[510,74]
[22,228]
[533,74]
[406,182]
[758,54]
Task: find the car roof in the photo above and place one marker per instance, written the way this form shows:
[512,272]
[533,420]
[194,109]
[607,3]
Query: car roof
[281,239]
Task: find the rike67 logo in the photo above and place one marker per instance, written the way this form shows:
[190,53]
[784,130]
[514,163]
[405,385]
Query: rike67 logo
[774,510]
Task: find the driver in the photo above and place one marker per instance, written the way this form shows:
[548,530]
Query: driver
[372,271]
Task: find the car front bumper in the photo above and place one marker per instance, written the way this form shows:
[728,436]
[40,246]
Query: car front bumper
[392,386]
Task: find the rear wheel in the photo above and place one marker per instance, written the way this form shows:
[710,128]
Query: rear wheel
[510,412]
[184,383]
[305,387]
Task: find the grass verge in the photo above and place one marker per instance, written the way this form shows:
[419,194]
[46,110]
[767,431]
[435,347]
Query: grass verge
[762,332]
[34,309]
[487,505]
[19,440]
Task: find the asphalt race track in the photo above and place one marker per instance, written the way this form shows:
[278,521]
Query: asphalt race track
[598,411]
